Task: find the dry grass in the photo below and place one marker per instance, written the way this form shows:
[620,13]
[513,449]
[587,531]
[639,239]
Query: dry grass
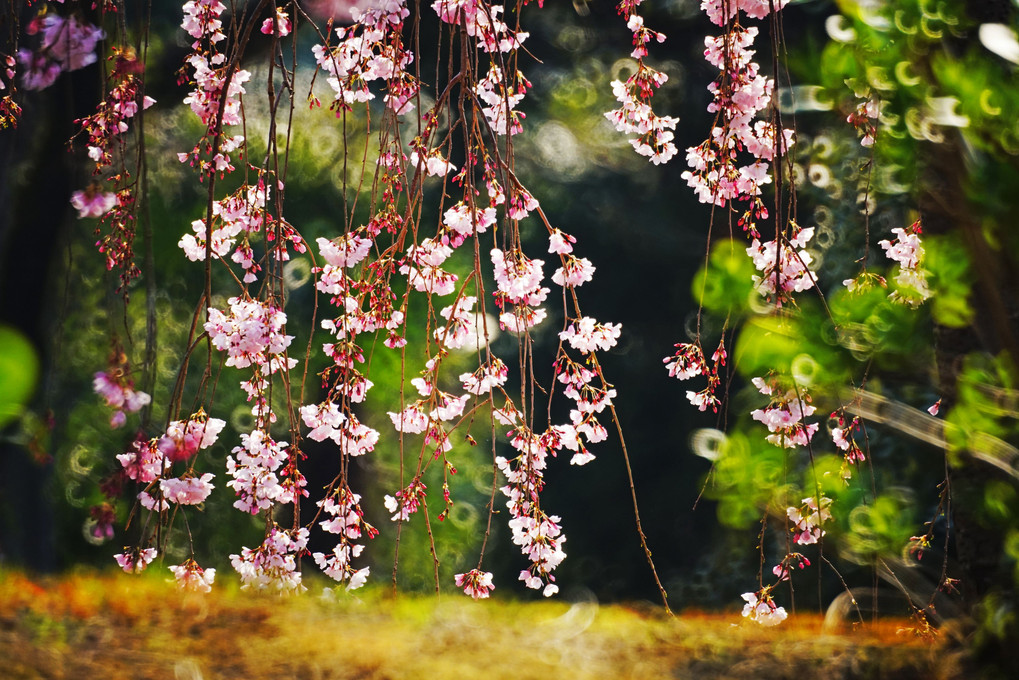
[90,626]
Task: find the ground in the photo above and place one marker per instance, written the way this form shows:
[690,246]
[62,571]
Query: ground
[119,626]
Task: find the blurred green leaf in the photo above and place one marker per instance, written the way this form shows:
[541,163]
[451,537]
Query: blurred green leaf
[19,371]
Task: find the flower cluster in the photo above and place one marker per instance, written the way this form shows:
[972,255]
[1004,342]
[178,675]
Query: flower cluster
[371,49]
[739,93]
[134,560]
[66,44]
[406,501]
[784,415]
[122,102]
[784,266]
[254,466]
[190,576]
[215,109]
[907,251]
[721,12]
[481,21]
[518,279]
[187,490]
[501,98]
[539,535]
[251,334]
[119,393]
[808,519]
[427,414]
[278,25]
[476,583]
[862,119]
[106,130]
[634,115]
[235,219]
[843,437]
[541,539]
[760,608]
[92,202]
[217,87]
[273,565]
[346,520]
[149,460]
[689,362]
[202,22]
[794,560]
[183,439]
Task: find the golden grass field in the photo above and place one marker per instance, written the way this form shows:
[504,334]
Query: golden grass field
[119,626]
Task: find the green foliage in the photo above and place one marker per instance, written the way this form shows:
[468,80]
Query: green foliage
[951,277]
[19,371]
[986,406]
[870,326]
[880,529]
[725,286]
[748,476]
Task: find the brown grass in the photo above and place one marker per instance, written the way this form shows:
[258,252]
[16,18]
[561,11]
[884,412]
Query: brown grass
[90,626]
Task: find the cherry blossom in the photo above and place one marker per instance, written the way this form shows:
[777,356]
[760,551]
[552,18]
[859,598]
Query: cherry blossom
[67,44]
[134,560]
[907,251]
[574,272]
[634,116]
[587,335]
[486,378]
[739,93]
[482,21]
[861,118]
[784,268]
[119,394]
[371,49]
[254,466]
[406,501]
[784,416]
[187,490]
[502,99]
[201,20]
[280,25]
[807,520]
[190,576]
[688,361]
[459,328]
[783,570]
[184,439]
[144,462]
[476,583]
[760,608]
[273,564]
[251,333]
[347,521]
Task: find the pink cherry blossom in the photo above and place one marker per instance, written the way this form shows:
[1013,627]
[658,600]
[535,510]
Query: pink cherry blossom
[134,560]
[273,565]
[476,583]
[191,577]
[587,335]
[807,520]
[280,25]
[92,203]
[187,490]
[760,608]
